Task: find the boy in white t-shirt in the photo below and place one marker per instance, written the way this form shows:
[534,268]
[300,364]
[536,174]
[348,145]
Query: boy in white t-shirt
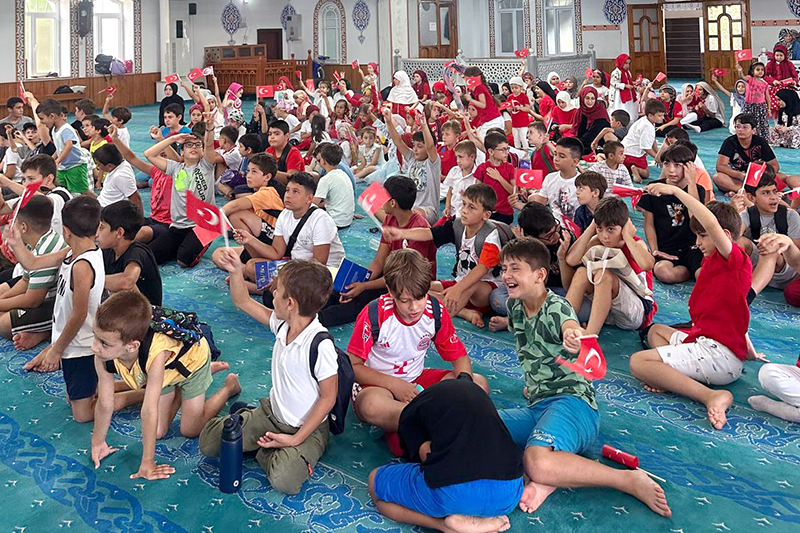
[334,189]
[641,140]
[459,178]
[558,189]
[120,182]
[228,158]
[119,117]
[389,342]
[290,428]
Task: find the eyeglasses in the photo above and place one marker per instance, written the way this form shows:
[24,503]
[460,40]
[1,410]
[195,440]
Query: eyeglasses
[506,149]
[193,145]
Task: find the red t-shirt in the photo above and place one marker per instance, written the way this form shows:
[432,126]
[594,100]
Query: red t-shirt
[426,248]
[401,347]
[646,278]
[546,105]
[543,160]
[520,119]
[506,170]
[160,196]
[447,157]
[490,112]
[294,161]
[718,304]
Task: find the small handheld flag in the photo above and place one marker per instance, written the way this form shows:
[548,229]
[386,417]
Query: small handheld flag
[571,225]
[628,192]
[354,64]
[206,216]
[660,76]
[27,194]
[793,194]
[744,55]
[522,54]
[194,74]
[172,78]
[22,92]
[110,90]
[310,84]
[473,81]
[505,105]
[265,91]
[591,363]
[529,178]
[372,199]
[589,72]
[719,72]
[754,173]
[208,71]
[298,73]
[280,87]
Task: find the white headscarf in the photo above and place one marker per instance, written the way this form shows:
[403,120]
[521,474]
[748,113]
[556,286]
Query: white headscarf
[563,96]
[550,76]
[402,93]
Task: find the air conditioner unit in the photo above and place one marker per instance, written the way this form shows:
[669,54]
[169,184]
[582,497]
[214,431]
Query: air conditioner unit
[294,27]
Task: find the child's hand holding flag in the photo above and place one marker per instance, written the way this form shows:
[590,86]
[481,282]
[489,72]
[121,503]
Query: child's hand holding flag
[591,363]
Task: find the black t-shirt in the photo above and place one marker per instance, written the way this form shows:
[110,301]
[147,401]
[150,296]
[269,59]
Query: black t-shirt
[554,272]
[671,221]
[759,150]
[149,282]
[78,127]
[468,439]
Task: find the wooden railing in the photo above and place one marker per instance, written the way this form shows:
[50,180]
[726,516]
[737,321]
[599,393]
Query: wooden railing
[259,71]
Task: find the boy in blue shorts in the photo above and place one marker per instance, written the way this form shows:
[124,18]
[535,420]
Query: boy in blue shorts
[465,472]
[561,418]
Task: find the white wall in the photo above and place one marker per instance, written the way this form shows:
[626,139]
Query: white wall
[151,43]
[8,71]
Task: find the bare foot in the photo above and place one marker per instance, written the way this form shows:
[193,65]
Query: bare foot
[717,405]
[648,492]
[473,316]
[498,323]
[27,340]
[648,388]
[232,382]
[356,216]
[476,524]
[533,496]
[636,177]
[216,366]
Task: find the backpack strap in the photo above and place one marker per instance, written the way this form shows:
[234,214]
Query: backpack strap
[782,220]
[313,350]
[436,308]
[62,193]
[372,314]
[110,367]
[281,163]
[755,222]
[176,364]
[144,349]
[296,232]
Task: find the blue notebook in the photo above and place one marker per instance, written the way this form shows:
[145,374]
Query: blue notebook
[266,272]
[348,273]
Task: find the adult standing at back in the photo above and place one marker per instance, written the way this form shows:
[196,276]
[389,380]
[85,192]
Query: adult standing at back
[622,94]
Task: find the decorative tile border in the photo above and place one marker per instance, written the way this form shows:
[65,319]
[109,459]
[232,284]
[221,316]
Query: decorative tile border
[88,51]
[342,25]
[607,27]
[74,41]
[19,39]
[137,36]
[578,28]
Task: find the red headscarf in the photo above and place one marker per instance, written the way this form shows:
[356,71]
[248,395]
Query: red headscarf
[626,95]
[780,71]
[597,112]
[286,83]
[422,88]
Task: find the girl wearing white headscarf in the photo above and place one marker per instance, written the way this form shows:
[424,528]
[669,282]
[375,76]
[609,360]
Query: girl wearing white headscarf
[402,96]
[709,110]
[553,79]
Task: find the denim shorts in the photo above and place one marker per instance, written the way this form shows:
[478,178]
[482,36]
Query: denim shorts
[404,484]
[564,423]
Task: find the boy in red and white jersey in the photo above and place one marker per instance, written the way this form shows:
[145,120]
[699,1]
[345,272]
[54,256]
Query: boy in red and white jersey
[389,342]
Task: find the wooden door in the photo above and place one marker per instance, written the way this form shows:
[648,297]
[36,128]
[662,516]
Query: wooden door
[273,39]
[645,40]
[727,23]
[438,28]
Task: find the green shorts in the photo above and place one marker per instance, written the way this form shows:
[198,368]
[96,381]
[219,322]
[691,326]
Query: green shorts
[195,385]
[75,179]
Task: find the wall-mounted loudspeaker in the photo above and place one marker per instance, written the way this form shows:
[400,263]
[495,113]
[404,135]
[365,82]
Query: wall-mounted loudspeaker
[179,29]
[192,8]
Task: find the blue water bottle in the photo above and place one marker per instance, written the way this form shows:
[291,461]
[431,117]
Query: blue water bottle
[230,455]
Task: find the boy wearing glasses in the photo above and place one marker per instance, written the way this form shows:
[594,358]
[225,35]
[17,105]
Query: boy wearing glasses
[195,174]
[498,173]
[741,149]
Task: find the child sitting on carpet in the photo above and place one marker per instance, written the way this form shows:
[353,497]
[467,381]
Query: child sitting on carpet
[715,348]
[290,427]
[498,173]
[613,167]
[288,158]
[389,342]
[155,364]
[540,147]
[228,159]
[558,189]
[589,189]
[465,472]
[118,117]
[622,293]
[334,190]
[561,418]
[129,265]
[478,242]
[119,181]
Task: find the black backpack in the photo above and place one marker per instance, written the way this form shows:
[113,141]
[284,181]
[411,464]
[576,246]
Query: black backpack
[781,221]
[503,231]
[346,376]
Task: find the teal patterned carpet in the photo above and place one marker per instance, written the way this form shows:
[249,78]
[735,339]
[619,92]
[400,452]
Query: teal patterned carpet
[741,479]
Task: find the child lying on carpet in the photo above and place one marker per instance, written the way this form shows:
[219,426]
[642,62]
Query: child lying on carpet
[465,472]
[174,375]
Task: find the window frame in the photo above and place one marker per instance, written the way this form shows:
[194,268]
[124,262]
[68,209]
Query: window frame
[31,47]
[325,10]
[97,30]
[519,40]
[558,10]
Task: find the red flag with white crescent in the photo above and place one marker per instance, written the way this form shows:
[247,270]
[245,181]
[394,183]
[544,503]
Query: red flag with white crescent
[208,71]
[205,215]
[529,178]
[591,363]
[571,225]
[754,173]
[194,74]
[522,53]
[172,78]
[473,81]
[744,55]
[373,198]
[265,91]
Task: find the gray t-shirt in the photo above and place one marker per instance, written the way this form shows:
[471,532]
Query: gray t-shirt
[426,177]
[197,178]
[20,123]
[768,224]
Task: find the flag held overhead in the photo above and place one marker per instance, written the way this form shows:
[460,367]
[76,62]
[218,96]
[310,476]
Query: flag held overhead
[744,55]
[172,78]
[265,91]
[208,71]
[660,76]
[194,74]
[473,81]
[522,54]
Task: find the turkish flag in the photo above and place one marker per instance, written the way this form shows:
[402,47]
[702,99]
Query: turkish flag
[793,194]
[562,85]
[208,71]
[638,80]
[529,178]
[754,173]
[373,198]
[719,72]
[298,73]
[505,105]
[744,55]
[194,74]
[618,456]
[589,72]
[309,84]
[590,364]
[337,76]
[473,81]
[660,76]
[628,192]
[265,91]
[522,54]
[354,64]
[206,216]
[27,194]
[571,225]
[280,87]
[110,90]
[172,78]
[22,92]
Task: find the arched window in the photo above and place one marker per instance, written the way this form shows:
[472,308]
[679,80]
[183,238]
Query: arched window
[559,27]
[109,28]
[330,32]
[42,32]
[511,26]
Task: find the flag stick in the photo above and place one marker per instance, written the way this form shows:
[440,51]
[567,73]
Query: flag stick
[225,229]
